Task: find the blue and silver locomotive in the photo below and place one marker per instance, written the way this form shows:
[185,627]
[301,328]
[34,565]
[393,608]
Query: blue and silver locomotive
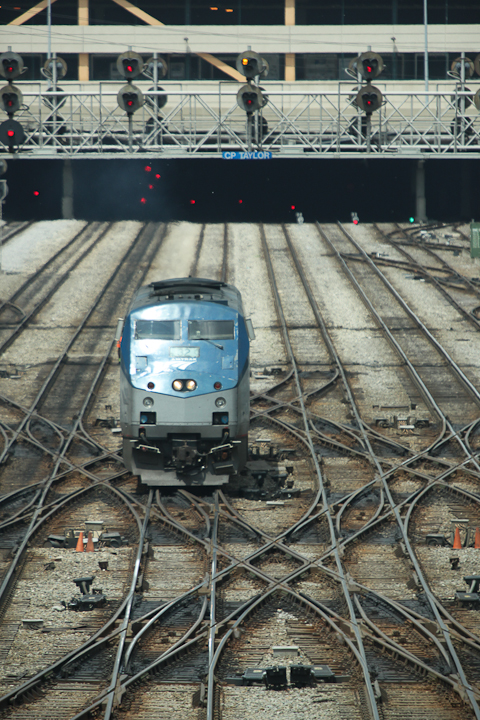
[185,383]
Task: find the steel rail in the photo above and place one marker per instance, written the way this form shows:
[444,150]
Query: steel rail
[420,622]
[446,467]
[53,372]
[391,500]
[58,283]
[321,491]
[391,646]
[27,284]
[432,250]
[424,584]
[111,692]
[15,231]
[468,385]
[51,376]
[213,621]
[324,614]
[193,501]
[47,484]
[440,287]
[420,385]
[152,617]
[67,659]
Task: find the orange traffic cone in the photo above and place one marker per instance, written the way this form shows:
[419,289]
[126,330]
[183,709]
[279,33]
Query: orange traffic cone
[90,547]
[477,538]
[457,545]
[79,547]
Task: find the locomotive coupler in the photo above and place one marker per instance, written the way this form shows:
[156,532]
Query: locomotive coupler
[186,454]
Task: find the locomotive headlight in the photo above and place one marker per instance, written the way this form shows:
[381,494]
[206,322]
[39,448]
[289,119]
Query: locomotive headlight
[148,402]
[177,385]
[190,385]
[220,402]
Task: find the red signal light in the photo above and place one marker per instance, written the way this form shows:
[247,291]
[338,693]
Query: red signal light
[150,187]
[192,202]
[369,69]
[129,68]
[147,168]
[11,133]
[240,202]
[292,207]
[36,193]
[143,200]
[355,222]
[158,176]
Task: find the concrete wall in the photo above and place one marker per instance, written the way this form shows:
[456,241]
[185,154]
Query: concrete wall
[235,39]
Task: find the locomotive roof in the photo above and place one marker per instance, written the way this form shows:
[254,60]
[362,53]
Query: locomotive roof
[188,289]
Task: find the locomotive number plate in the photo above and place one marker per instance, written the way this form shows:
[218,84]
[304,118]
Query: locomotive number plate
[185,352]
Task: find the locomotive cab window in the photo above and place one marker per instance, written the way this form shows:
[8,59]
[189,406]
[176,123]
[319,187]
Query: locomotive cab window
[211,330]
[158,330]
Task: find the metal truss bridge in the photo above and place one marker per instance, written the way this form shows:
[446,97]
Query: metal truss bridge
[206,123]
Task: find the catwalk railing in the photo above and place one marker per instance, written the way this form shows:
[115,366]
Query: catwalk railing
[209,122]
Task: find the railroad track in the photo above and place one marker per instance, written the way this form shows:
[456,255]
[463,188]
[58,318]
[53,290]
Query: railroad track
[318,557]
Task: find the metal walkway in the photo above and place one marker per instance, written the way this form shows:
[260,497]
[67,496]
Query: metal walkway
[207,123]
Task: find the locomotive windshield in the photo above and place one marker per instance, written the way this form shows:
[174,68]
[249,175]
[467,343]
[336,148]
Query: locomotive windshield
[211,330]
[158,330]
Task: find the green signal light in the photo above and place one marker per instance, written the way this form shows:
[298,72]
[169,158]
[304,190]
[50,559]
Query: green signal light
[411,219]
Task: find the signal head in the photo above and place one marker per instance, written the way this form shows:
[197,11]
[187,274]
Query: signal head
[456,66]
[52,101]
[156,101]
[130,98]
[369,99]
[10,99]
[369,65]
[251,64]
[11,65]
[162,67]
[56,66]
[130,65]
[250,98]
[476,99]
[11,134]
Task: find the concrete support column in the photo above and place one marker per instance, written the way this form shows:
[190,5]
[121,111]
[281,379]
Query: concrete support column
[289,67]
[289,57]
[289,12]
[420,201]
[83,58]
[67,197]
[83,67]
